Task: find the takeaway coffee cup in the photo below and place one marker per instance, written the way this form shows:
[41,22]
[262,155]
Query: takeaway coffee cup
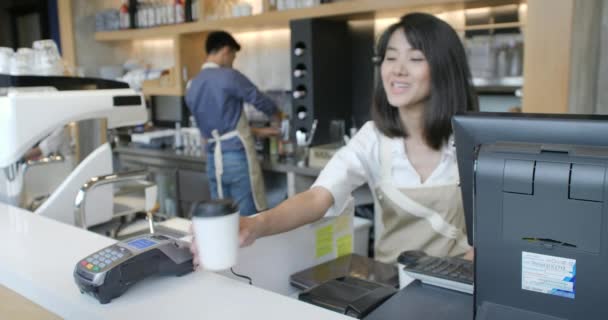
[216,229]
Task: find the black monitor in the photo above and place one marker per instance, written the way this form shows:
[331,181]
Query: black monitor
[473,129]
[534,190]
[167,110]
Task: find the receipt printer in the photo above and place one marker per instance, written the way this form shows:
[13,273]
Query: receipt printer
[109,272]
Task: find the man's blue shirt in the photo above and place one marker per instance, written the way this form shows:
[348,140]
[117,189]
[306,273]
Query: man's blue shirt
[215,98]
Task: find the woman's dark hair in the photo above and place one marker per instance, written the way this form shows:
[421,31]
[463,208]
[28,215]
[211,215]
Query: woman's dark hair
[216,40]
[451,87]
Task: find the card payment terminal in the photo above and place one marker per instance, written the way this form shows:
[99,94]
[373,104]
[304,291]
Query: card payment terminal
[109,272]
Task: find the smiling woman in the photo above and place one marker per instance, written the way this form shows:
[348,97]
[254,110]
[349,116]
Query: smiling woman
[404,155]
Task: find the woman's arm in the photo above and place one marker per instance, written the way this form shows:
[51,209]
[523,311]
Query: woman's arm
[301,209]
[294,212]
[344,173]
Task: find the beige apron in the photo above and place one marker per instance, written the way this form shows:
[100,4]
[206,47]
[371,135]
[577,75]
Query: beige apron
[430,219]
[243,132]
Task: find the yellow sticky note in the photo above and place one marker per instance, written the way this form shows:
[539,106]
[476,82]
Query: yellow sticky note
[345,245]
[342,223]
[325,240]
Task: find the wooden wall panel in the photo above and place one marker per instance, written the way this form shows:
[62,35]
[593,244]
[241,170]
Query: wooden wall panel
[66,27]
[547,38]
[585,56]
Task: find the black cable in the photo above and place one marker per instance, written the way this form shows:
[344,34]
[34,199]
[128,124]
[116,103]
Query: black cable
[241,276]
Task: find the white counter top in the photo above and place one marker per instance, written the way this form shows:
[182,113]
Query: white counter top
[38,255]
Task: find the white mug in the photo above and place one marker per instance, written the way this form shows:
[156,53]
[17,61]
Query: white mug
[216,230]
[47,60]
[22,62]
[6,54]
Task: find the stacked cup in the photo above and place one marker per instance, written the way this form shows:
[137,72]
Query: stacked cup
[47,59]
[44,60]
[6,54]
[22,62]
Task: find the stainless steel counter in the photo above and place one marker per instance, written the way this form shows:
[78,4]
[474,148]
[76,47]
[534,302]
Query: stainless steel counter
[196,159]
[184,159]
[188,169]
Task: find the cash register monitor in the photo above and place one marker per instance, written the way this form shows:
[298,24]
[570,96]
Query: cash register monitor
[533,189]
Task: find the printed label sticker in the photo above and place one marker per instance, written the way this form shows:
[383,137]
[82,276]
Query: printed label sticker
[548,274]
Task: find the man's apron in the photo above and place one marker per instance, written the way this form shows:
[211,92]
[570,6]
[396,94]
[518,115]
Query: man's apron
[430,219]
[243,132]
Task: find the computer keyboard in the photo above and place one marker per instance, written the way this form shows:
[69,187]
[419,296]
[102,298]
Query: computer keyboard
[450,273]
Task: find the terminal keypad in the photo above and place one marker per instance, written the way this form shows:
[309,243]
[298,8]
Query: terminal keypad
[104,259]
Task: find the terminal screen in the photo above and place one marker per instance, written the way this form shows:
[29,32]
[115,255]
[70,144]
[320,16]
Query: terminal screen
[141,243]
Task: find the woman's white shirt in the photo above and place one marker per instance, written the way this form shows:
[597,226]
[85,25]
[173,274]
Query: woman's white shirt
[359,162]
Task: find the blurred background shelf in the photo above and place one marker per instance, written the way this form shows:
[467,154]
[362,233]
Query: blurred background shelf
[548,29]
[505,25]
[280,19]
[498,85]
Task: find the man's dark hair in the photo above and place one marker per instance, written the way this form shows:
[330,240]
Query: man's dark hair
[216,40]
[451,86]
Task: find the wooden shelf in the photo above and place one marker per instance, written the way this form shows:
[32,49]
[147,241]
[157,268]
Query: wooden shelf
[505,25]
[147,33]
[280,19]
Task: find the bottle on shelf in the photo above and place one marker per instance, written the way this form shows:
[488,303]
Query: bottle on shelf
[273,144]
[151,14]
[139,14]
[178,142]
[187,10]
[286,148]
[170,12]
[194,9]
[125,18]
[144,8]
[146,14]
[159,14]
[180,11]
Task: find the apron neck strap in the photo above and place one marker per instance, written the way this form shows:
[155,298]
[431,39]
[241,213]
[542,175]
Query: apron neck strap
[386,159]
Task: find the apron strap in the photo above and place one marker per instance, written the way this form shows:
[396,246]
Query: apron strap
[217,157]
[404,202]
[433,217]
[386,158]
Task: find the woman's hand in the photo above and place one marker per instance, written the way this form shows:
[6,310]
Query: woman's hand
[249,231]
[470,255]
[194,249]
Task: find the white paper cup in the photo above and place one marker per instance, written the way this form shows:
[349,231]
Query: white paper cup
[216,229]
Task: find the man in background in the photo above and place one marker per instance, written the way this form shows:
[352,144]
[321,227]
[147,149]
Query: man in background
[216,98]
